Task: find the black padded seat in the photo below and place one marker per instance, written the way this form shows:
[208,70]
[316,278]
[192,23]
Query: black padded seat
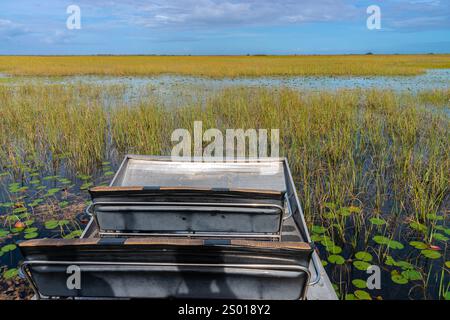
[167,267]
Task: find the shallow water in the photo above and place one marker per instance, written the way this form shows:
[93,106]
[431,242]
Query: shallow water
[173,89]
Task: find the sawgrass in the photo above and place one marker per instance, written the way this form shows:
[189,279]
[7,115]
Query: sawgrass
[223,66]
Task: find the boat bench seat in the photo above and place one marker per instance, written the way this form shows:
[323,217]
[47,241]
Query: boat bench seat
[168,267]
[174,210]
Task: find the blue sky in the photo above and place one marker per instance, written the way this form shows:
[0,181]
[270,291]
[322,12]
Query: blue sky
[224,27]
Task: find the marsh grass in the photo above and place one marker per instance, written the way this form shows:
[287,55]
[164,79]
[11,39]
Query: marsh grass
[372,167]
[229,66]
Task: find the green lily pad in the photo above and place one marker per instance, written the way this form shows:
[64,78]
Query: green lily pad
[64,181]
[19,210]
[10,273]
[381,240]
[17,230]
[29,222]
[84,177]
[36,202]
[31,235]
[316,237]
[350,296]
[418,245]
[363,256]
[404,265]
[361,265]
[63,222]
[359,283]
[434,217]
[86,185]
[318,229]
[73,234]
[377,221]
[418,226]
[440,237]
[362,295]
[395,244]
[354,209]
[51,224]
[412,275]
[9,247]
[29,230]
[398,278]
[3,233]
[344,212]
[333,249]
[336,259]
[431,254]
[48,178]
[52,192]
[109,173]
[447,264]
[447,295]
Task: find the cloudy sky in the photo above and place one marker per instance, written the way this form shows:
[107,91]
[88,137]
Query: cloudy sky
[223,27]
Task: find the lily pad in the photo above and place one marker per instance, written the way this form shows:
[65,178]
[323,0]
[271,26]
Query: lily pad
[51,224]
[434,217]
[52,192]
[336,259]
[3,233]
[19,210]
[31,235]
[359,283]
[404,265]
[412,275]
[333,249]
[73,234]
[431,254]
[9,247]
[377,221]
[10,273]
[381,240]
[363,256]
[318,229]
[86,185]
[440,236]
[362,295]
[361,265]
[398,278]
[395,244]
[418,245]
[418,226]
[354,209]
[63,222]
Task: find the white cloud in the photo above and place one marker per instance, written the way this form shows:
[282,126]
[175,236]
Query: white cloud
[9,29]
